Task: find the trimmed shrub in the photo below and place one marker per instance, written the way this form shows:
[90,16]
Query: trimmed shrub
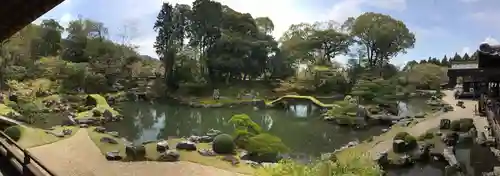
[462,125]
[427,135]
[13,132]
[223,144]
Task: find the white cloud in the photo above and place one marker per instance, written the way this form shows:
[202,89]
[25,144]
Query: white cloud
[491,41]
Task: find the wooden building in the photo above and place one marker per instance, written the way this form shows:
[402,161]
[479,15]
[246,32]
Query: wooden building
[484,77]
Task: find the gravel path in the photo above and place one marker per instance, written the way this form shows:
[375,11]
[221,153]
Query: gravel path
[432,122]
[78,156]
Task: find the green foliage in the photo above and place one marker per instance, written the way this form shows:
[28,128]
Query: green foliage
[13,132]
[427,76]
[426,135]
[223,144]
[353,166]
[243,122]
[344,109]
[376,90]
[371,30]
[266,144]
[462,125]
[249,136]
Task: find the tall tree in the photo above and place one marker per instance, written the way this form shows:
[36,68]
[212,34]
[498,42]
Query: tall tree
[466,57]
[172,27]
[457,57]
[330,43]
[382,36]
[265,24]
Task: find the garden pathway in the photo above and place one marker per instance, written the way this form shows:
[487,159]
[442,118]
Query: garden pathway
[432,122]
[79,156]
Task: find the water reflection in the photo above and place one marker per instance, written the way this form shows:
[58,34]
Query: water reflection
[302,110]
[301,127]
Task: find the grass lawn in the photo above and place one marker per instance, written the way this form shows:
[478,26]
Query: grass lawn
[102,105]
[152,154]
[32,137]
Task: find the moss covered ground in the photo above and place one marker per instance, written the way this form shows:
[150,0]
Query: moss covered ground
[4,110]
[152,154]
[32,137]
[102,105]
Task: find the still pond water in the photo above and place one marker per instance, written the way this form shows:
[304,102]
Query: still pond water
[301,128]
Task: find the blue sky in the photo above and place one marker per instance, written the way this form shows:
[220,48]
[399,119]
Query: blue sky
[441,26]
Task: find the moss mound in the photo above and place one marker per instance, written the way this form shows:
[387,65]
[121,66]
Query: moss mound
[409,142]
[462,125]
[223,144]
[101,106]
[13,132]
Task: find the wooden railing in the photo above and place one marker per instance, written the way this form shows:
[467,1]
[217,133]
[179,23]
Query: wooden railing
[21,159]
[493,116]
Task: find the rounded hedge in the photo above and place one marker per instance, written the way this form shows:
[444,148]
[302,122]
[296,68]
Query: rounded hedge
[462,125]
[223,144]
[400,136]
[13,132]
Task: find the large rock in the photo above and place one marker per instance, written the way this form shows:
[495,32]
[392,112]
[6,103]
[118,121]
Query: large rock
[114,134]
[230,158]
[67,132]
[107,114]
[56,134]
[89,121]
[100,129]
[382,159]
[135,153]
[186,145]
[162,146]
[113,156]
[206,152]
[399,146]
[445,124]
[451,139]
[169,156]
[108,140]
[13,97]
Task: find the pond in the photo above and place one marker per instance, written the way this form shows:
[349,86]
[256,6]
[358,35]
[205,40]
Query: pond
[301,127]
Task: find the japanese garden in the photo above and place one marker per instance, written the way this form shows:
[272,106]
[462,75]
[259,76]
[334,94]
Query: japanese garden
[225,94]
